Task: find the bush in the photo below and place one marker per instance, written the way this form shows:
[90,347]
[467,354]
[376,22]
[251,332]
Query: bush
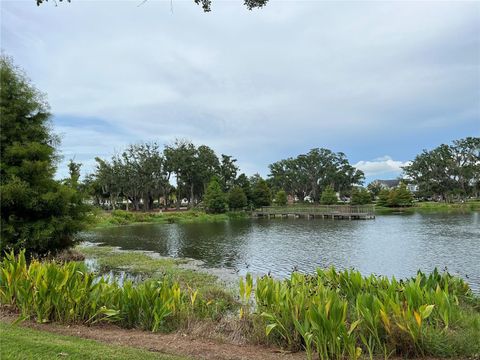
[360,196]
[237,198]
[214,199]
[281,198]
[329,197]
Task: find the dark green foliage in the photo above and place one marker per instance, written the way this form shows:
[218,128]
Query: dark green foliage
[261,195]
[309,174]
[328,196]
[38,213]
[281,198]
[215,200]
[448,171]
[237,198]
[374,187]
[397,197]
[383,197]
[360,196]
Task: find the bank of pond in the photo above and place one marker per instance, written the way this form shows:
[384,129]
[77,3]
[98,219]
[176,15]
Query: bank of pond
[100,218]
[329,314]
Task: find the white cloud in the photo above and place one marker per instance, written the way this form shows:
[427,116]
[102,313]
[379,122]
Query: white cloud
[381,166]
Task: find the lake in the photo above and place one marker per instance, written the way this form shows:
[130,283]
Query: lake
[396,245]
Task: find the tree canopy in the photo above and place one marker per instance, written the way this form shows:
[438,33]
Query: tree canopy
[448,171]
[309,174]
[38,213]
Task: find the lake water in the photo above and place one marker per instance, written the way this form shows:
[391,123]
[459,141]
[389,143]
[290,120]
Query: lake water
[389,245]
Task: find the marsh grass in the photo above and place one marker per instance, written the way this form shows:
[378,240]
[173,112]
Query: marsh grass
[102,219]
[432,207]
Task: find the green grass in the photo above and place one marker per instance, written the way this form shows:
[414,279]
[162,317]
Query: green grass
[432,207]
[24,343]
[102,219]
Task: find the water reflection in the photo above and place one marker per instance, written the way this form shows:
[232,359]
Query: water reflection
[396,245]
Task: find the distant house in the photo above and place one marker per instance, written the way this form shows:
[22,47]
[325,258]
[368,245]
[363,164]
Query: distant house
[412,187]
[387,184]
[392,184]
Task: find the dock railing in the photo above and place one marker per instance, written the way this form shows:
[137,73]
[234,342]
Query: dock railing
[318,210]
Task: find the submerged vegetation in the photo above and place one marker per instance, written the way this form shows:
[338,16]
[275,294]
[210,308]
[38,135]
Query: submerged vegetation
[331,314]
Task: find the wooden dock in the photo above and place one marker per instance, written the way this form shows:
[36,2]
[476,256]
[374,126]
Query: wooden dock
[335,212]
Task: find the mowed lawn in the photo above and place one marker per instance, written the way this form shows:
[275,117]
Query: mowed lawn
[18,342]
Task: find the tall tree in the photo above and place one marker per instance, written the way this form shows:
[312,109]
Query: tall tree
[215,199]
[309,174]
[448,171]
[228,171]
[38,213]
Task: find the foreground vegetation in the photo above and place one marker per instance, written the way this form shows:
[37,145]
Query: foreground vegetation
[23,343]
[342,314]
[330,314]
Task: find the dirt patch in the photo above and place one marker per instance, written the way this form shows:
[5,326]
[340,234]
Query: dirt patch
[175,344]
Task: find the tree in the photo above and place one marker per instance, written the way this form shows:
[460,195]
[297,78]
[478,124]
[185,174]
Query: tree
[403,196]
[215,201]
[237,198]
[328,196]
[180,160]
[383,197]
[309,174]
[374,187]
[38,213]
[448,171]
[281,198]
[360,196]
[205,4]
[228,172]
[261,195]
[244,183]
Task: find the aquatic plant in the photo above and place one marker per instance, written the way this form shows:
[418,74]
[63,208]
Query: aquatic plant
[337,314]
[49,291]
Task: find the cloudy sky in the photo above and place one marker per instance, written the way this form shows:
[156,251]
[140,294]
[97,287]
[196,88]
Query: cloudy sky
[379,81]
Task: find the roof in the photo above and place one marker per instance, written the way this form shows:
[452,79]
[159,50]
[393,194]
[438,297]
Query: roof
[389,183]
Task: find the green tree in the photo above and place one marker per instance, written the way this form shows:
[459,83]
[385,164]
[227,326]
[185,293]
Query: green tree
[374,187]
[383,197]
[237,198]
[261,194]
[328,196]
[360,196]
[214,199]
[38,213]
[403,196]
[281,198]
[448,171]
[244,183]
[309,174]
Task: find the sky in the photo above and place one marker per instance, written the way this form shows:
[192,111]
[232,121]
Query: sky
[379,81]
